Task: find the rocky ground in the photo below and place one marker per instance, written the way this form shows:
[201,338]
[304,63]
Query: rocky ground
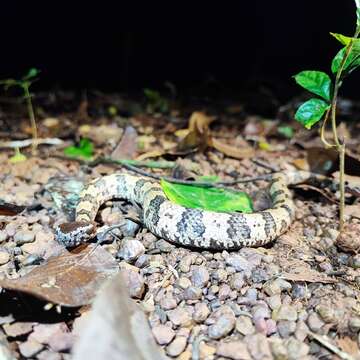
[297,298]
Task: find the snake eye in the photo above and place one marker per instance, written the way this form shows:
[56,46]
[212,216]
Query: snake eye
[74,233]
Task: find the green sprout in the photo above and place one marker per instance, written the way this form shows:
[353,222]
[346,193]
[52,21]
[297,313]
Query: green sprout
[24,84]
[156,102]
[327,89]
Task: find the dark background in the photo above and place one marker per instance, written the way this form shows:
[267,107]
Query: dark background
[116,47]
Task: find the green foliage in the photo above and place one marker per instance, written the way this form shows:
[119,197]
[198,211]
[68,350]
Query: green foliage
[317,82]
[311,111]
[84,150]
[286,131]
[351,63]
[155,102]
[208,198]
[18,157]
[25,82]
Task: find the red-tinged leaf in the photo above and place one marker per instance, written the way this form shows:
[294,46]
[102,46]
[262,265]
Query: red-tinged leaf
[7,209]
[71,279]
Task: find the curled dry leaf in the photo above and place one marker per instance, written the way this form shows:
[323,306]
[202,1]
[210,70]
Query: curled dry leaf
[71,279]
[116,328]
[7,209]
[127,147]
[232,151]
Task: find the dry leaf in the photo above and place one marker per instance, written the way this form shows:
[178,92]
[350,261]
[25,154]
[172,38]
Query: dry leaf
[7,209]
[71,279]
[308,275]
[232,151]
[349,346]
[116,328]
[126,148]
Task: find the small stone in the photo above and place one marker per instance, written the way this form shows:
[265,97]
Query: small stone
[179,317]
[276,286]
[237,281]
[30,348]
[3,236]
[168,303]
[301,331]
[296,349]
[285,312]
[4,257]
[163,334]
[326,313]
[130,250]
[314,322]
[286,328]
[185,263]
[274,301]
[134,282]
[331,233]
[220,275]
[200,276]
[260,325]
[260,311]
[239,263]
[201,312]
[271,327]
[177,346]
[224,292]
[129,228]
[183,282]
[298,291]
[244,325]
[223,325]
[258,346]
[192,293]
[49,355]
[23,237]
[206,351]
[278,349]
[18,328]
[235,350]
[355,261]
[354,324]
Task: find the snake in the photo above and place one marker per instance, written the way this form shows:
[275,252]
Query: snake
[189,227]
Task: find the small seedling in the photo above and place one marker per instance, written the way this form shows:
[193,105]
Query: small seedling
[24,83]
[327,88]
[84,150]
[156,102]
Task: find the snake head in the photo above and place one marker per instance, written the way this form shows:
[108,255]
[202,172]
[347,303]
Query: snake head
[74,233]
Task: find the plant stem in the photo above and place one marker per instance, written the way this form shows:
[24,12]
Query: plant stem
[340,145]
[31,116]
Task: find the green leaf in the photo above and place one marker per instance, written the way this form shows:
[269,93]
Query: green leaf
[316,82]
[208,178]
[286,131]
[352,61]
[85,149]
[310,112]
[357,4]
[33,72]
[18,157]
[345,40]
[208,198]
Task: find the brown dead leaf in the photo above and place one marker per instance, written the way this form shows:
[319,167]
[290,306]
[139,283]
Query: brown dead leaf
[305,274]
[321,160]
[126,148]
[71,279]
[232,151]
[7,209]
[349,238]
[116,328]
[349,346]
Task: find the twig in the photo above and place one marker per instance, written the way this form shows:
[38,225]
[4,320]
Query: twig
[264,165]
[148,164]
[324,341]
[27,142]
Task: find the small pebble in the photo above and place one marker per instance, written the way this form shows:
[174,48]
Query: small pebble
[239,263]
[30,348]
[183,282]
[177,346]
[179,317]
[130,250]
[286,328]
[4,257]
[200,276]
[354,324]
[314,322]
[271,327]
[24,237]
[274,301]
[220,275]
[192,293]
[201,312]
[244,325]
[168,303]
[163,334]
[134,282]
[185,263]
[296,349]
[285,312]
[235,350]
[3,236]
[237,281]
[224,292]
[355,261]
[222,327]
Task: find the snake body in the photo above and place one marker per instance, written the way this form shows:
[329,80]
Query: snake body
[177,224]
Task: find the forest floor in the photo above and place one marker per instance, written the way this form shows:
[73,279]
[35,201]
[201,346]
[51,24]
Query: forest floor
[296,298]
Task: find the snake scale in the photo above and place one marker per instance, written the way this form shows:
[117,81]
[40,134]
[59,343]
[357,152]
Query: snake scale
[177,224]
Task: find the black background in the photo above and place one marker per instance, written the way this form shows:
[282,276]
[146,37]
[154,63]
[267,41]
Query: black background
[119,46]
